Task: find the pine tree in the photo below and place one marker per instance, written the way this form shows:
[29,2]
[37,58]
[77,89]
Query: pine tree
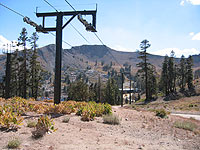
[14,74]
[175,78]
[67,80]
[189,73]
[93,92]
[145,68]
[23,68]
[2,89]
[99,91]
[78,91]
[152,81]
[168,75]
[182,73]
[36,70]
[111,91]
[164,81]
[171,73]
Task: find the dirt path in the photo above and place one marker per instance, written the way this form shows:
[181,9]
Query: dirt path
[197,117]
[138,130]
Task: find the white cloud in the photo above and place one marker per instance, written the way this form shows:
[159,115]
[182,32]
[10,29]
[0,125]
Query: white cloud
[121,48]
[193,2]
[191,33]
[182,3]
[178,52]
[196,36]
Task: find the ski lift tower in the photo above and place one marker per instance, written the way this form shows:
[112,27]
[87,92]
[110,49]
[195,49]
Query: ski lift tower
[58,29]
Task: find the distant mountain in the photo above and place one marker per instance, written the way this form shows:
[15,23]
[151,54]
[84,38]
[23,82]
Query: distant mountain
[80,57]
[102,53]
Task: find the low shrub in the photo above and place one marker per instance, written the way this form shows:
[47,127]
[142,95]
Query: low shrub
[40,108]
[191,105]
[66,119]
[185,125]
[79,111]
[14,143]
[59,109]
[161,113]
[88,113]
[49,101]
[44,125]
[111,119]
[107,109]
[9,118]
[31,124]
[2,99]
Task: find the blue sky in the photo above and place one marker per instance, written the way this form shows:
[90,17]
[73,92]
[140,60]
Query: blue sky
[121,24]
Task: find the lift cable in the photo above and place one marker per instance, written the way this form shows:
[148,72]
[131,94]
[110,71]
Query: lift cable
[51,5]
[54,34]
[78,32]
[69,23]
[26,17]
[72,47]
[70,5]
[62,40]
[12,10]
[108,50]
[72,25]
[98,38]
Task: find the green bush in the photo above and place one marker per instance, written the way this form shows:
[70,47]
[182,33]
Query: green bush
[92,109]
[111,119]
[107,109]
[14,143]
[161,113]
[191,105]
[88,113]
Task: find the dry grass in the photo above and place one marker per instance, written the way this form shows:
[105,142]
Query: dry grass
[31,124]
[14,143]
[187,104]
[185,125]
[111,119]
[66,119]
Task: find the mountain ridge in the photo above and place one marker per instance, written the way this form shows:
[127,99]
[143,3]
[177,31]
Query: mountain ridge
[80,57]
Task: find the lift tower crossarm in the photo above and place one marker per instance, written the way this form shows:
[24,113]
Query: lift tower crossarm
[91,27]
[68,13]
[59,27]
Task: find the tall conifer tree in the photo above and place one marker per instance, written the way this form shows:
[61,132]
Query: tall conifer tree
[182,73]
[36,70]
[146,70]
[189,73]
[23,68]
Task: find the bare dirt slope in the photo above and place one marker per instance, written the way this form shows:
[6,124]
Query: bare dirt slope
[138,130]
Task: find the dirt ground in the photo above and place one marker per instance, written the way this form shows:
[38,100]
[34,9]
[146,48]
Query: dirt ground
[138,130]
[188,105]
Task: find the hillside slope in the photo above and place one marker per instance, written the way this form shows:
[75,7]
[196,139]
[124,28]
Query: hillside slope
[81,57]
